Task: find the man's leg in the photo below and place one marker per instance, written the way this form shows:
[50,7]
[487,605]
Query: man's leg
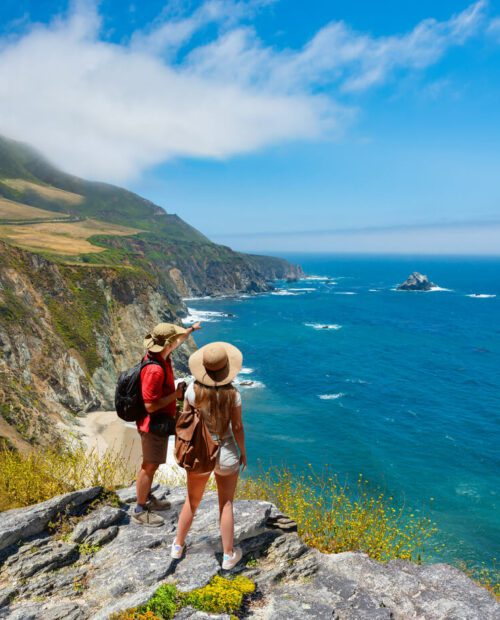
[153,453]
[145,481]
[142,515]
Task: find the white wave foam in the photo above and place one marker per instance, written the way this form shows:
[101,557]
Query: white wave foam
[331,396]
[248,384]
[433,289]
[207,316]
[246,371]
[481,296]
[317,278]
[469,490]
[345,293]
[289,439]
[359,381]
[374,290]
[438,288]
[196,298]
[323,325]
[283,292]
[303,289]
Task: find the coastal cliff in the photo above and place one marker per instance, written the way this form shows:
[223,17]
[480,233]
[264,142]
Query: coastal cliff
[65,333]
[85,270]
[67,330]
[96,563]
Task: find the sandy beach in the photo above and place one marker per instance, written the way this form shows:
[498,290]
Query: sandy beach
[103,430]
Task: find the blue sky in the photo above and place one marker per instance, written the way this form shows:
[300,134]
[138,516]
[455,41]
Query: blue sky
[273,125]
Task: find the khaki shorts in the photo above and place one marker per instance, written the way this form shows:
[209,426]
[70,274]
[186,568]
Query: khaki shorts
[154,448]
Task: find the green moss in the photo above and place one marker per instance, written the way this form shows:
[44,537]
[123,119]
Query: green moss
[88,549]
[221,595]
[77,313]
[12,309]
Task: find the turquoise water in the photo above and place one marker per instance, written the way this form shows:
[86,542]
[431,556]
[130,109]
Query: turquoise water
[403,387]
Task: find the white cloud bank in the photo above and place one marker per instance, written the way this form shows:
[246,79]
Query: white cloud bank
[108,111]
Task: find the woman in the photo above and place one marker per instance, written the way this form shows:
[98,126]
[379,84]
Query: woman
[214,367]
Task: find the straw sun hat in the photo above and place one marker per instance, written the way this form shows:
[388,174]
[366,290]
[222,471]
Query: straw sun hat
[216,363]
[161,335]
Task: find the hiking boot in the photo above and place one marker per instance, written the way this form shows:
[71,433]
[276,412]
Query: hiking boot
[147,518]
[154,503]
[230,560]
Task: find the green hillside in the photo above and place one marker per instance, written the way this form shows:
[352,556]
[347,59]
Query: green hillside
[98,200]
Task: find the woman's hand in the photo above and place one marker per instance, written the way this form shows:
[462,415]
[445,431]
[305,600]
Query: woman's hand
[243,461]
[179,390]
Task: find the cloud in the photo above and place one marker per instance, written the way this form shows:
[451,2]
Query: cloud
[494,29]
[109,111]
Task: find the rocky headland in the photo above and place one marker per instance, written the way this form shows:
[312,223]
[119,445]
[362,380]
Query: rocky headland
[416,282]
[77,556]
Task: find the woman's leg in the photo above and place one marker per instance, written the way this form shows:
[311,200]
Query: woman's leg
[195,486]
[226,487]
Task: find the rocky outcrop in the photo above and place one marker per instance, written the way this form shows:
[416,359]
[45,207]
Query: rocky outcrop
[66,331]
[199,269]
[416,282]
[45,576]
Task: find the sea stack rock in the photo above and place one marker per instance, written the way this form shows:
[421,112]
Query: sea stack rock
[416,282]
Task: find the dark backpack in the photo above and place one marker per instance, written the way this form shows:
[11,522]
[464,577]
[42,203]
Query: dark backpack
[128,396]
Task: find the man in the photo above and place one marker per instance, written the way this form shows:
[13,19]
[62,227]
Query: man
[159,395]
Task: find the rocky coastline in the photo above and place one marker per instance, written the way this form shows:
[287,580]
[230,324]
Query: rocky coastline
[67,330]
[75,557]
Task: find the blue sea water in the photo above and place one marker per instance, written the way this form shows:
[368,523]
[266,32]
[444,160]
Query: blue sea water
[403,387]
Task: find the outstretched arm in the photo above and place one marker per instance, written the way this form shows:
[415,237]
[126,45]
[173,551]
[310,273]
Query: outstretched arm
[183,337]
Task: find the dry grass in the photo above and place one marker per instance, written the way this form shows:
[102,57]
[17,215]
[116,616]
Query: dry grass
[46,191]
[10,210]
[69,238]
[334,517]
[34,477]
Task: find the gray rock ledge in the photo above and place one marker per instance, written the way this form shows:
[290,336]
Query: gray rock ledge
[43,577]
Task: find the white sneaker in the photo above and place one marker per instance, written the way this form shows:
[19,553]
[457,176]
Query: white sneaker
[176,550]
[230,560]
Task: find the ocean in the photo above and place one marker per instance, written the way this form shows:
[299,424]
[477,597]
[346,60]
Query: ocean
[402,387]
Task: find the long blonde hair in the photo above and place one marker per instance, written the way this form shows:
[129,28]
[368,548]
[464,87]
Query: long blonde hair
[216,404]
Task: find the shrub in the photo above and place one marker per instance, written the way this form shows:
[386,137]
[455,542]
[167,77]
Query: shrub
[334,517]
[163,603]
[36,476]
[486,576]
[221,595]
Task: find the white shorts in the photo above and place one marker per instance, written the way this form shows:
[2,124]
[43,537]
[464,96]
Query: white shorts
[228,458]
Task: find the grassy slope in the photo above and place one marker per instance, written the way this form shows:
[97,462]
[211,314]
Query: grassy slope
[100,200]
[166,241]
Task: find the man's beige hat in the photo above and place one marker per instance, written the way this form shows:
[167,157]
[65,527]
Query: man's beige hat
[162,334]
[216,363]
